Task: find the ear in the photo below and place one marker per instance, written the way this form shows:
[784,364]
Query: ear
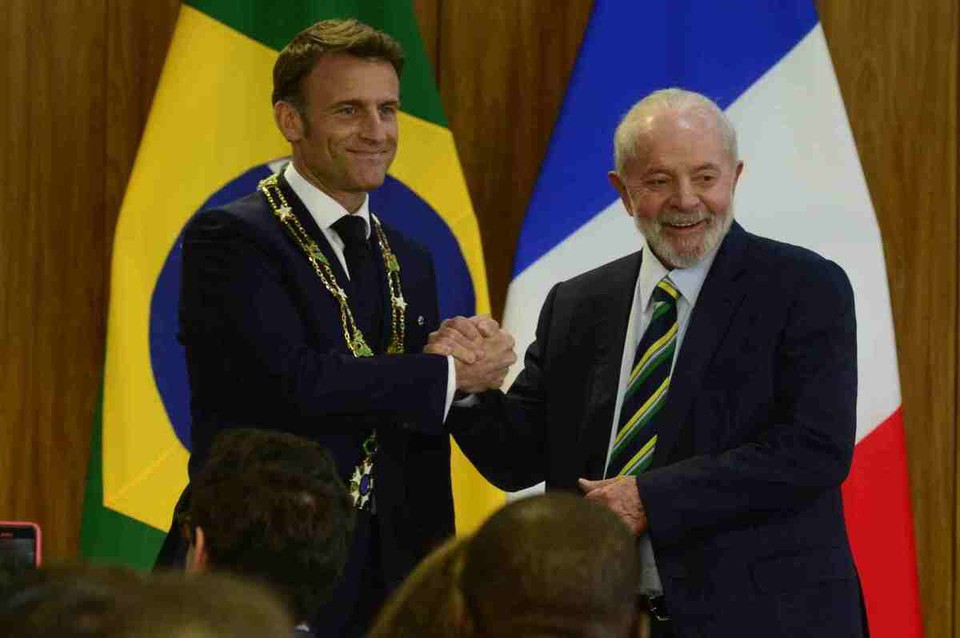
[197,559]
[736,174]
[618,184]
[289,121]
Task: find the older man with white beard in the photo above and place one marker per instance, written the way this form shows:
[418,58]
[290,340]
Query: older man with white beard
[704,388]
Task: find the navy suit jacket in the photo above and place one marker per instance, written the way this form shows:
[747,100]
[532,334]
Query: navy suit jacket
[756,436]
[265,349]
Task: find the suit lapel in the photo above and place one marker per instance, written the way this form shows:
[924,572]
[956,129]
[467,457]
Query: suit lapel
[613,304]
[384,288]
[719,298]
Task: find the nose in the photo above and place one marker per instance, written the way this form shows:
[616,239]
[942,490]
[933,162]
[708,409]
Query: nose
[374,127]
[685,197]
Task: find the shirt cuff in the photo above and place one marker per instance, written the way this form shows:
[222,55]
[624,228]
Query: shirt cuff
[451,386]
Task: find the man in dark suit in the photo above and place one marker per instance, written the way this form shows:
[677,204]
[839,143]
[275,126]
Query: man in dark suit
[301,312]
[703,388]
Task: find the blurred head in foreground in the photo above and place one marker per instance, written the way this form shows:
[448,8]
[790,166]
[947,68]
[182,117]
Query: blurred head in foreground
[270,506]
[554,565]
[92,602]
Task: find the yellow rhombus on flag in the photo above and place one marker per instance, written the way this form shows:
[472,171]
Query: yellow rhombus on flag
[209,139]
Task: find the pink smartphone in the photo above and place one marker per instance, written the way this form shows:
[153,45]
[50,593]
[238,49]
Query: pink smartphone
[20,543]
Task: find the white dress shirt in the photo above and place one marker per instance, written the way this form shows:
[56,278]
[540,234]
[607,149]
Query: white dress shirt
[688,282]
[326,211]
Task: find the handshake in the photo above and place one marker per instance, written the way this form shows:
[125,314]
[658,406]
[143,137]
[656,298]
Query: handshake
[481,351]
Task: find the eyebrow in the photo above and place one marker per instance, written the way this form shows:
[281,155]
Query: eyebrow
[358,102]
[707,166]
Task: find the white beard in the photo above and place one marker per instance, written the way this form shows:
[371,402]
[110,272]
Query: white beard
[685,254]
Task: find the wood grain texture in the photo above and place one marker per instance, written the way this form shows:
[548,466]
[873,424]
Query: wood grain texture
[504,66]
[428,16]
[52,294]
[80,78]
[897,67]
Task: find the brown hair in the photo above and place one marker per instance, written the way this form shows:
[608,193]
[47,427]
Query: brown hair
[273,508]
[328,36]
[112,602]
[554,565]
[551,565]
[175,605]
[429,604]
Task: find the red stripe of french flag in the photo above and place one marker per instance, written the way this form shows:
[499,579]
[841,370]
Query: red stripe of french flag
[880,523]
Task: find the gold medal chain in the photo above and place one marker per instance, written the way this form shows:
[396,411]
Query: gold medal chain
[351,332]
[398,305]
[354,338]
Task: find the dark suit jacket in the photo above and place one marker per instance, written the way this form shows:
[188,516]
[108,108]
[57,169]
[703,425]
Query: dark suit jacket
[743,497]
[265,349]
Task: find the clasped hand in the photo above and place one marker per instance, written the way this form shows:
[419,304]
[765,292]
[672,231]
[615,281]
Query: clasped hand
[481,350]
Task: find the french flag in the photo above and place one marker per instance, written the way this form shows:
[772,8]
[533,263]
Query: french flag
[767,65]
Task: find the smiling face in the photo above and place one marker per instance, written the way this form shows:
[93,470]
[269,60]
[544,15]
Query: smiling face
[346,137]
[678,184]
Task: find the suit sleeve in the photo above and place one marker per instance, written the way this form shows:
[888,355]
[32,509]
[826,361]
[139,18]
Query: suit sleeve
[504,436]
[244,332]
[805,447]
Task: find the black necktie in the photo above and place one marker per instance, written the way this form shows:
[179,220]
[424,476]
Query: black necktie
[366,298]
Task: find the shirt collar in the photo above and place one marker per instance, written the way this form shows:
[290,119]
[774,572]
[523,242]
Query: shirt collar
[324,209]
[688,281]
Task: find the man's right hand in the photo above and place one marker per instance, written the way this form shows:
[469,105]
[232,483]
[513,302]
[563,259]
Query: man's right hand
[483,353]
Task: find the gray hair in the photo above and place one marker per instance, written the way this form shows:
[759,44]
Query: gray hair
[672,99]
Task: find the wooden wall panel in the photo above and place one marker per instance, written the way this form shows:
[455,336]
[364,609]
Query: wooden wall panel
[504,66]
[897,67]
[52,294]
[428,16]
[138,35]
[80,77]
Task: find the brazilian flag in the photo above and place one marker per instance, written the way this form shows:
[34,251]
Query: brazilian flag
[209,139]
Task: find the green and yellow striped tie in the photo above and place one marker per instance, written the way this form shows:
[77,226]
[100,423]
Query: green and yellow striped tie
[647,386]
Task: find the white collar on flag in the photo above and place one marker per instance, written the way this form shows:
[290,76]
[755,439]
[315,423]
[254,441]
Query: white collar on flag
[688,281]
[324,209]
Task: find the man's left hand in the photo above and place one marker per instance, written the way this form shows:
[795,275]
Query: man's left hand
[621,496]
